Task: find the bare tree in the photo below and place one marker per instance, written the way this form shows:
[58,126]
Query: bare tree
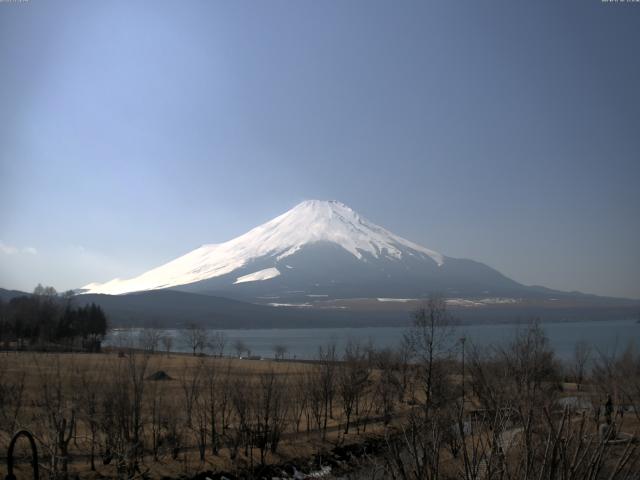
[240,397]
[314,399]
[297,388]
[352,381]
[240,347]
[628,368]
[58,412]
[224,396]
[532,368]
[403,354]
[279,351]
[157,421]
[217,343]
[195,337]
[190,383]
[431,340]
[167,343]
[213,397]
[149,339]
[416,454]
[618,375]
[195,406]
[269,413]
[326,368]
[202,421]
[136,369]
[560,447]
[581,357]
[387,385]
[90,397]
[122,421]
[520,433]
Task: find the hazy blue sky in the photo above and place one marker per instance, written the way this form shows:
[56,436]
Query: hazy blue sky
[503,131]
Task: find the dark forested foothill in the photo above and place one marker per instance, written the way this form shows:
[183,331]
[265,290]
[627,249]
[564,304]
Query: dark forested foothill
[47,320]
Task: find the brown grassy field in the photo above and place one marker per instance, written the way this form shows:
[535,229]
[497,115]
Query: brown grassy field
[61,385]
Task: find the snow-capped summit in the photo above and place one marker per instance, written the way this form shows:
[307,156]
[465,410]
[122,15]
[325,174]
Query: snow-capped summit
[329,221]
[308,223]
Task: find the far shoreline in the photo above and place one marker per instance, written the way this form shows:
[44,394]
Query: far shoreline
[464,323]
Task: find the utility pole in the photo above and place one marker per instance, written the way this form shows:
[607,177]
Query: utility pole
[463,341]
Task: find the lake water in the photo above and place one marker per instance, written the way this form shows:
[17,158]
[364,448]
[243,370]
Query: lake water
[605,336]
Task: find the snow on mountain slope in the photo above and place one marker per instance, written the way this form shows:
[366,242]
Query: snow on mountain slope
[307,223]
[265,274]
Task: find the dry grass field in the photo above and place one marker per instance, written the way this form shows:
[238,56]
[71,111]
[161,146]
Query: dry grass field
[178,397]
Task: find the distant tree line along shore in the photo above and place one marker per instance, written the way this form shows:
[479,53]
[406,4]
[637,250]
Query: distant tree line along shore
[47,320]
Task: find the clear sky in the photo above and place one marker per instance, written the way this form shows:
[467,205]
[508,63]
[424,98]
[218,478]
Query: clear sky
[503,131]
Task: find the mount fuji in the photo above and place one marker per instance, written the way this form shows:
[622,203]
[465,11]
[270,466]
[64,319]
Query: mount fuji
[319,251]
